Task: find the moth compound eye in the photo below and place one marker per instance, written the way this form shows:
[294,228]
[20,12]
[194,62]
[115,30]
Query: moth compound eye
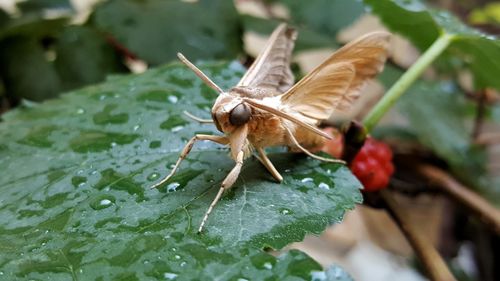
[239,115]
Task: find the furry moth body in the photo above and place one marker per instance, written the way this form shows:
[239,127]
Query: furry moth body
[267,109]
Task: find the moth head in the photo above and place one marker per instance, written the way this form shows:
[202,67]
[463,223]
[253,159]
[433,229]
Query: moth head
[230,112]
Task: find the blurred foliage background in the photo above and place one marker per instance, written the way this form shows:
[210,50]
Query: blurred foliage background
[51,46]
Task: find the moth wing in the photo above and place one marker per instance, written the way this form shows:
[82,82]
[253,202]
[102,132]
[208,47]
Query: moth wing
[366,55]
[271,70]
[319,93]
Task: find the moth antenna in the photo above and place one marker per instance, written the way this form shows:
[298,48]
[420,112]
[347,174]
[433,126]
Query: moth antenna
[199,73]
[196,118]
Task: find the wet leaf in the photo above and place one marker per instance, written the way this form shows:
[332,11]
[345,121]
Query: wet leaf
[423,25]
[75,196]
[155,30]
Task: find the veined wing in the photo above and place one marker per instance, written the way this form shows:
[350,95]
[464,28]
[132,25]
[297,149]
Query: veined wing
[271,70]
[335,84]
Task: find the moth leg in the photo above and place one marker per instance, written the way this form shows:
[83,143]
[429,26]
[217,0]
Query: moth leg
[187,149]
[268,164]
[296,143]
[195,118]
[226,184]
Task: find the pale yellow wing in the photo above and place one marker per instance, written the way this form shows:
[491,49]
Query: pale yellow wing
[320,92]
[323,90]
[271,70]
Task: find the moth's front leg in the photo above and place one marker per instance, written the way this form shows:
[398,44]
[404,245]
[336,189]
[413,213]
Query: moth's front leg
[227,183]
[187,149]
[268,164]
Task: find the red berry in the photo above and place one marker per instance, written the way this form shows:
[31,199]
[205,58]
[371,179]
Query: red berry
[373,165]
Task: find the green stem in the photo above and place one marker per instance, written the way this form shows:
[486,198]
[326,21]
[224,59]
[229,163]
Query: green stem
[406,80]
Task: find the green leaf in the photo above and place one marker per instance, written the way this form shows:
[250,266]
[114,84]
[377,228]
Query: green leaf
[76,200]
[155,30]
[324,16]
[25,70]
[423,25]
[84,57]
[32,25]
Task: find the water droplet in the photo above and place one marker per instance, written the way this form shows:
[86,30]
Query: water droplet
[324,186]
[105,202]
[177,129]
[242,279]
[173,99]
[268,265]
[173,186]
[145,262]
[304,180]
[136,127]
[318,275]
[285,211]
[80,111]
[153,176]
[102,202]
[1,272]
[183,264]
[174,249]
[169,275]
[288,170]
[113,144]
[177,257]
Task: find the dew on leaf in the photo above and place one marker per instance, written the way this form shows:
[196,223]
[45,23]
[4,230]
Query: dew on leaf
[173,186]
[304,180]
[177,128]
[169,275]
[173,99]
[268,265]
[153,176]
[318,276]
[285,211]
[102,202]
[324,186]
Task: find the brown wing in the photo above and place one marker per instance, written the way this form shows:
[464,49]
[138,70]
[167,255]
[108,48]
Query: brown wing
[321,92]
[271,70]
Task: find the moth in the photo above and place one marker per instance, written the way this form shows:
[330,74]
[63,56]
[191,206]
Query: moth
[267,109]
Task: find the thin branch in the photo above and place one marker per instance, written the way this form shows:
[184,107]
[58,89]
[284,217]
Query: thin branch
[428,255]
[480,111]
[488,139]
[486,212]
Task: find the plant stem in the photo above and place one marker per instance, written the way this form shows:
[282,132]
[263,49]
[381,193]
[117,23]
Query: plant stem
[434,264]
[486,212]
[406,80]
